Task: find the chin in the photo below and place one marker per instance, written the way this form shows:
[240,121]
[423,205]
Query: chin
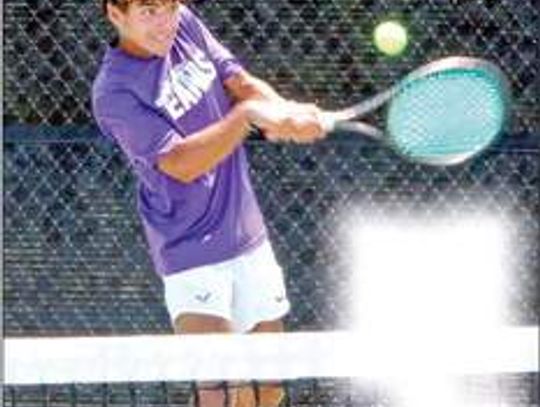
[162,51]
[160,54]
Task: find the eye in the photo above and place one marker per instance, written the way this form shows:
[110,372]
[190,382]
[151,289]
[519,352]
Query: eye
[152,10]
[173,6]
[148,11]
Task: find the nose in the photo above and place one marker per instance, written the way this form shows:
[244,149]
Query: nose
[161,20]
[166,16]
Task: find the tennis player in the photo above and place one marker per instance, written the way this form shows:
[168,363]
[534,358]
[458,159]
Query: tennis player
[180,105]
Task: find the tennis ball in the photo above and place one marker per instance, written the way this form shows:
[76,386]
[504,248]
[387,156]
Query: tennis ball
[390,38]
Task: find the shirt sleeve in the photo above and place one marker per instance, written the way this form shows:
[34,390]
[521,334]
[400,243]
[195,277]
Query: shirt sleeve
[140,132]
[227,64]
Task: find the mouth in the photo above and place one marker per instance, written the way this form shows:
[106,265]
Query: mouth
[164,38]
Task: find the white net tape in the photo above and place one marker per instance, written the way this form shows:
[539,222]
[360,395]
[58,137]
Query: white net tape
[262,356]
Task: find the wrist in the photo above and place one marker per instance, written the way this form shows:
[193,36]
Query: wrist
[242,116]
[248,109]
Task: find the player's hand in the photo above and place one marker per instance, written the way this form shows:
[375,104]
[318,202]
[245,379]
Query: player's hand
[287,121]
[303,124]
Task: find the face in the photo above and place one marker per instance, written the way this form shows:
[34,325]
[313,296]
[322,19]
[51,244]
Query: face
[146,27]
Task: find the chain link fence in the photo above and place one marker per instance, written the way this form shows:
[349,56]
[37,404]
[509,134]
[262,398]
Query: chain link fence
[316,50]
[75,260]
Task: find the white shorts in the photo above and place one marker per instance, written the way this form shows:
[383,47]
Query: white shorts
[245,290]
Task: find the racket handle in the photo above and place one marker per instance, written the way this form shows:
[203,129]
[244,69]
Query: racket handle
[360,128]
[328,121]
[332,122]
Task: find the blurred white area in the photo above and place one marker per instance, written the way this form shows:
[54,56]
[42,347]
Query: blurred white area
[418,279]
[427,291]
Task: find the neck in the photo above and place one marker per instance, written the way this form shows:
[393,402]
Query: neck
[133,49]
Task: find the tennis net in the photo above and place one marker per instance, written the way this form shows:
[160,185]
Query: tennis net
[315,368]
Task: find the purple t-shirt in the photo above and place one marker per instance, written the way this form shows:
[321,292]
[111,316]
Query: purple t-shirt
[147,106]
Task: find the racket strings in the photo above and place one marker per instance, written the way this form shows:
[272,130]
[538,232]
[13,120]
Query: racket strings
[446,114]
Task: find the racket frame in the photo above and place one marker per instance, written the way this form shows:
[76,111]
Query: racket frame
[345,119]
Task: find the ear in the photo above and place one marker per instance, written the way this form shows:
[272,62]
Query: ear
[115,15]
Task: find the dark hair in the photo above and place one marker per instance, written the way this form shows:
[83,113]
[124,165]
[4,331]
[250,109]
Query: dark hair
[119,3]
[122,4]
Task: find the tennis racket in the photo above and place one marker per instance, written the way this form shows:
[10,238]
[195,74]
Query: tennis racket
[443,113]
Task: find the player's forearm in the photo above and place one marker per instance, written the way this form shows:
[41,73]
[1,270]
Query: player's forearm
[245,86]
[202,151]
[262,90]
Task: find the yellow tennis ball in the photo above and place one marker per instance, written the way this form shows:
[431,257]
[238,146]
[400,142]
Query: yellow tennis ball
[390,38]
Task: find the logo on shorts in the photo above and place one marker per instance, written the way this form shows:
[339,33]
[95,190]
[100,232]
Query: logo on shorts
[203,297]
[280,298]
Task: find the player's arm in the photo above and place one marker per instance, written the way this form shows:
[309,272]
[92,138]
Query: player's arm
[257,104]
[278,118]
[202,151]
[244,86]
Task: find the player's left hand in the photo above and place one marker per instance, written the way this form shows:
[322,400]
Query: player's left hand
[302,124]
[287,120]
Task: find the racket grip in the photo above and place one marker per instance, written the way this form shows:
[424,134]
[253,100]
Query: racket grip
[328,122]
[332,122]
[359,128]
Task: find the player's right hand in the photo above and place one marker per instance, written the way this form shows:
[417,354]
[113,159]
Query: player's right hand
[286,120]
